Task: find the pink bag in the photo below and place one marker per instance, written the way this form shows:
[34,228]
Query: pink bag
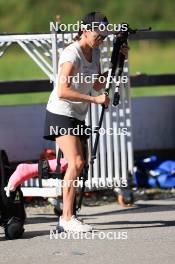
[26,171]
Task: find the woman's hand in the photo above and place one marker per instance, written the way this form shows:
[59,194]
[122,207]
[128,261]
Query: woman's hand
[102,99]
[124,50]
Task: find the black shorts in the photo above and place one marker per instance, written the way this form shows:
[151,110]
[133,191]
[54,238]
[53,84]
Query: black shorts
[60,125]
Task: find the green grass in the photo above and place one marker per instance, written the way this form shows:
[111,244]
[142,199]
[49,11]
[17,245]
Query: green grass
[24,98]
[15,64]
[153,91]
[42,97]
[150,57]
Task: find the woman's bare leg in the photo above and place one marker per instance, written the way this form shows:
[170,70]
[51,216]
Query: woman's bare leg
[71,147]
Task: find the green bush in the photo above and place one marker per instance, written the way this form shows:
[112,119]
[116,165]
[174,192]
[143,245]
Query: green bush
[34,16]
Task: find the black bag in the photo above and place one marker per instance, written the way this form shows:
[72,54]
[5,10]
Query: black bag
[12,211]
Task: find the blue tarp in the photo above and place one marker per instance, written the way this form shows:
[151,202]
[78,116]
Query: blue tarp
[151,172]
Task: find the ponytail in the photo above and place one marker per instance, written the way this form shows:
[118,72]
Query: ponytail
[78,36]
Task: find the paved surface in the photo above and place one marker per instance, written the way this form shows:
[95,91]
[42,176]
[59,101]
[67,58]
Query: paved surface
[149,227]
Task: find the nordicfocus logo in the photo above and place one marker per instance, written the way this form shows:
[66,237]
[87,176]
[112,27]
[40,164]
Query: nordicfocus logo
[55,234]
[79,184]
[80,131]
[91,79]
[94,26]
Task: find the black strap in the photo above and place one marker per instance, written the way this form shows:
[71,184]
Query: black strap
[59,156]
[43,171]
[4,168]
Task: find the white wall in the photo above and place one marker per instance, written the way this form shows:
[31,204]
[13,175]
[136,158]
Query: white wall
[21,130]
[21,127]
[153,122]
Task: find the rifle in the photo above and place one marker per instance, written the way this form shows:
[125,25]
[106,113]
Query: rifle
[115,69]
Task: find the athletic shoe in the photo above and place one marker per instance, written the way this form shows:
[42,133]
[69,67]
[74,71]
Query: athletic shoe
[73,225]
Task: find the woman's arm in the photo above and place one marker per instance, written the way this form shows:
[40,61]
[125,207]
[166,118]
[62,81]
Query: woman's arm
[100,83]
[65,90]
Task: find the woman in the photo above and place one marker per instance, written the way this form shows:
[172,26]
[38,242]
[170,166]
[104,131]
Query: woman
[68,105]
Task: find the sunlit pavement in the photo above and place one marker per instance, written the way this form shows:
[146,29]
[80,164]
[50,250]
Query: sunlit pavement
[144,233]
